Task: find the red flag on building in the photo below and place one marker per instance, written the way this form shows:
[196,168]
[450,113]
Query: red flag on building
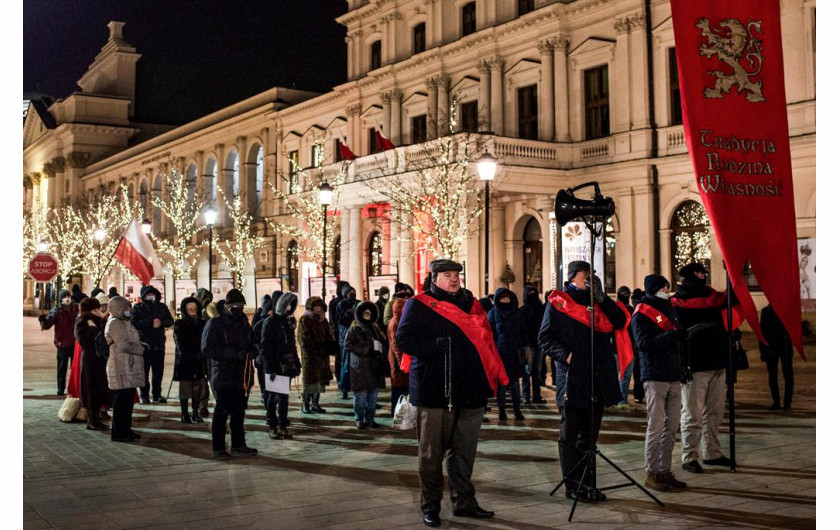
[382,143]
[729,57]
[346,153]
[136,253]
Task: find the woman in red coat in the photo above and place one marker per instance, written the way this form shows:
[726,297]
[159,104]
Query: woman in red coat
[399,379]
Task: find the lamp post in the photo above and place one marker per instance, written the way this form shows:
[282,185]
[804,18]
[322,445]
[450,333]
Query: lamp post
[487,172]
[325,195]
[99,235]
[210,218]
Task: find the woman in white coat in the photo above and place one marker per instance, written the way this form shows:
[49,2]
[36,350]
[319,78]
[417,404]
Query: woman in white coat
[124,368]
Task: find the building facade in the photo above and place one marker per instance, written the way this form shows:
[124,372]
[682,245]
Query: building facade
[560,92]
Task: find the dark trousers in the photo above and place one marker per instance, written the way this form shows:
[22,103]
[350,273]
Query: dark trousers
[575,436]
[63,358]
[153,359]
[452,435]
[501,395]
[396,392]
[638,386]
[261,381]
[276,409]
[537,373]
[121,414]
[773,377]
[229,402]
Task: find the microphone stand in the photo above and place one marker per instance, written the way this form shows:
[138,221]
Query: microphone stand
[588,459]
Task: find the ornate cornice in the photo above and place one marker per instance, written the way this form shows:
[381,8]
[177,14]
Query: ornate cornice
[353,110]
[483,67]
[629,23]
[78,159]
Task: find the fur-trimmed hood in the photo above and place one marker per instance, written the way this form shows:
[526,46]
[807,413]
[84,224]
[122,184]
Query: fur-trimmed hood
[286,304]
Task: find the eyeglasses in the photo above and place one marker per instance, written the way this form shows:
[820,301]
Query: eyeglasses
[236,306]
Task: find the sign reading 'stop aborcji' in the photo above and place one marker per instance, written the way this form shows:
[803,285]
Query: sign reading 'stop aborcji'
[729,57]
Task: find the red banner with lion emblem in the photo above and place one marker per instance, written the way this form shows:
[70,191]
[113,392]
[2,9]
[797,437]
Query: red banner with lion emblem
[729,56]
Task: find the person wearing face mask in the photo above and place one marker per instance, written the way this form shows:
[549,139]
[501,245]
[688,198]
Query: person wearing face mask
[367,349]
[268,310]
[511,338]
[453,366]
[332,309]
[124,368]
[93,376]
[189,365]
[345,315]
[151,317]
[565,336]
[700,311]
[655,329]
[205,299]
[314,335]
[384,296]
[230,344]
[278,356]
[63,318]
[401,290]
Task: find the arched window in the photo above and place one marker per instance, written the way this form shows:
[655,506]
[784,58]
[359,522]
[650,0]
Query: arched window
[144,197]
[232,165]
[375,254]
[191,179]
[532,254]
[211,169]
[609,256]
[336,256]
[292,265]
[690,238]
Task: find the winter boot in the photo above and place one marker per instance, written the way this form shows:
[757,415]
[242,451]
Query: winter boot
[316,405]
[502,415]
[518,413]
[304,407]
[657,481]
[196,416]
[274,434]
[185,415]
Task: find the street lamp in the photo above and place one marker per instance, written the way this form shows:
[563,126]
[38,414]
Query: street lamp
[486,164]
[99,236]
[325,195]
[42,246]
[210,214]
[146,226]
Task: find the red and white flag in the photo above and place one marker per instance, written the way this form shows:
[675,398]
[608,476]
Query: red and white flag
[136,253]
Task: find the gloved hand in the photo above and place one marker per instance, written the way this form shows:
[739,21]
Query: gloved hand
[597,288]
[272,376]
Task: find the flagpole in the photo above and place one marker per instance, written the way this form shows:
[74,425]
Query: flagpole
[730,383]
[114,253]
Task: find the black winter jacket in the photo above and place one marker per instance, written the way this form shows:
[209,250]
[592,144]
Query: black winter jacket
[229,342]
[707,342]
[508,331]
[143,315]
[189,365]
[659,351]
[278,347]
[428,337]
[561,335]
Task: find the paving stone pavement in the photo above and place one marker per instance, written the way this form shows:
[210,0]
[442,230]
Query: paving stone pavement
[333,476]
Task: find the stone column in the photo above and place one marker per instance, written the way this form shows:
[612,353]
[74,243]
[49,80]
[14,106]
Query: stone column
[407,254]
[443,105]
[483,96]
[639,115]
[561,90]
[351,73]
[355,255]
[386,114]
[546,111]
[431,108]
[497,244]
[665,255]
[344,270]
[393,232]
[497,95]
[396,117]
[620,76]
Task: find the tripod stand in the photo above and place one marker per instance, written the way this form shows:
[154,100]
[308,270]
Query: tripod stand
[571,209]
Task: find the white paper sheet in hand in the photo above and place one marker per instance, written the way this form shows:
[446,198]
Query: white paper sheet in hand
[280,384]
[377,346]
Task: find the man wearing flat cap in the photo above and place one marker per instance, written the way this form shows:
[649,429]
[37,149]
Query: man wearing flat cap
[453,366]
[700,311]
[565,336]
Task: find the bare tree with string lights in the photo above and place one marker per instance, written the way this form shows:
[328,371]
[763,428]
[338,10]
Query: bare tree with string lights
[238,249]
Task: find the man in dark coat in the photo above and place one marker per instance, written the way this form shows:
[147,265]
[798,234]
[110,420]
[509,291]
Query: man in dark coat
[384,296]
[63,317]
[532,314]
[229,342]
[205,298]
[700,315]
[268,310]
[655,328]
[333,317]
[454,367]
[151,317]
[345,314]
[779,347]
[565,336]
[77,295]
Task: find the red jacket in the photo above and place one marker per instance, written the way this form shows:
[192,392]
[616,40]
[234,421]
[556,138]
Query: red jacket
[64,320]
[398,377]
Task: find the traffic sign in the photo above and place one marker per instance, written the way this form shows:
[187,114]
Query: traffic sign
[43,267]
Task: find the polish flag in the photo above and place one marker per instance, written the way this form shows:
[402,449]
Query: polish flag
[136,253]
[382,143]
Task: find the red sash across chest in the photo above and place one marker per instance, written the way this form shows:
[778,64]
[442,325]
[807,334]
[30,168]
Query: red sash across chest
[656,316]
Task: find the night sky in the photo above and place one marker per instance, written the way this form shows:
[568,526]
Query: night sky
[197,56]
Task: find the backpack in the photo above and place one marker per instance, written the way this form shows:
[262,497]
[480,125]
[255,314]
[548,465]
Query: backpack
[103,349]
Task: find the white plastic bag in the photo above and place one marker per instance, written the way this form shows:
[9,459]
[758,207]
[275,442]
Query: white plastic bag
[405,415]
[69,409]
